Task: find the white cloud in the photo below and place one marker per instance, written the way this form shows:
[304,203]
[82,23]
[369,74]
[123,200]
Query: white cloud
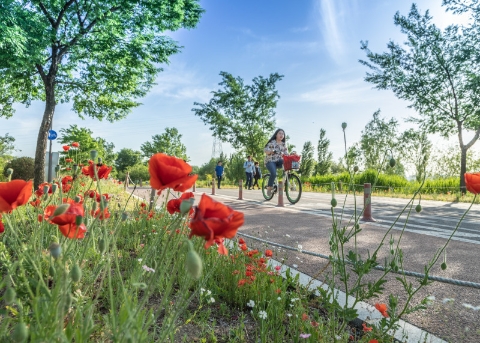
[339,92]
[330,21]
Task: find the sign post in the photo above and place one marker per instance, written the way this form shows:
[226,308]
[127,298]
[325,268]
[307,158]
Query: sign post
[51,136]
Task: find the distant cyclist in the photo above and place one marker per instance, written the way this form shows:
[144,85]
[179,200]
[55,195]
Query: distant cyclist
[274,150]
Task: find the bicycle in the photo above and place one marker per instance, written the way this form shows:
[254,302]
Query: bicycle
[292,183]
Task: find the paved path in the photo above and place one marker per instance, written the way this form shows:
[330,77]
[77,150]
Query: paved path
[308,223]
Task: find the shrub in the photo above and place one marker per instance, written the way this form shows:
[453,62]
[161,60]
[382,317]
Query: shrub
[139,172]
[22,168]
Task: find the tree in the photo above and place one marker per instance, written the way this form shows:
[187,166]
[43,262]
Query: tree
[378,141]
[446,163]
[234,170]
[84,137]
[6,145]
[99,55]
[307,164]
[437,72]
[22,168]
[242,115]
[324,157]
[168,142]
[127,158]
[416,148]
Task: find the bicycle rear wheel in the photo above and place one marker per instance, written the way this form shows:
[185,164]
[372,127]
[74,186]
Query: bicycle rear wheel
[264,187]
[293,188]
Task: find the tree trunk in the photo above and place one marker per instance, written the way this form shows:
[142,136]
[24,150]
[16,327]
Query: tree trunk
[463,168]
[39,169]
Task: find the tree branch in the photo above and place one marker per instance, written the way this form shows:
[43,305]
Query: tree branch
[62,13]
[41,72]
[44,10]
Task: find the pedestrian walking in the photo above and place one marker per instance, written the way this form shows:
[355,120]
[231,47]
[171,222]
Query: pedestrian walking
[274,150]
[257,175]
[219,173]
[249,170]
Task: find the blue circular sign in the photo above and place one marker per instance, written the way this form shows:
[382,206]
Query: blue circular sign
[52,135]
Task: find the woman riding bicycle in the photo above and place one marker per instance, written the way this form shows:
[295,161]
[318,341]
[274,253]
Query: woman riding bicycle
[274,150]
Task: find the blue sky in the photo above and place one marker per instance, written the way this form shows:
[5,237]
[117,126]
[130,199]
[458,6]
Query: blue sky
[315,44]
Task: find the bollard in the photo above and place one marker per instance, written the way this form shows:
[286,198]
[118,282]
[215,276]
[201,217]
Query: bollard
[194,187]
[213,186]
[367,203]
[240,190]
[340,185]
[141,183]
[125,185]
[152,199]
[280,194]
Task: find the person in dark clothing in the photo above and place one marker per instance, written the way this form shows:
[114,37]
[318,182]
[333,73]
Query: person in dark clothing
[219,173]
[257,175]
[249,170]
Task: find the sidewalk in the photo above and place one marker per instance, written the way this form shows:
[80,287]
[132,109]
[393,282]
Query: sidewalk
[450,321]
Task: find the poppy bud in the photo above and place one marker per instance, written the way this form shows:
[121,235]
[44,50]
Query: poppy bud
[61,209]
[93,154]
[443,266]
[20,332]
[9,296]
[54,188]
[186,205]
[193,262]
[75,168]
[76,273]
[344,125]
[77,199]
[79,220]
[51,271]
[124,216]
[46,188]
[57,168]
[55,250]
[100,161]
[333,202]
[355,169]
[68,302]
[9,171]
[94,206]
[418,208]
[392,162]
[101,245]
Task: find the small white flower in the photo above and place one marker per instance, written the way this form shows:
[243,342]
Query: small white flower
[262,314]
[448,300]
[211,301]
[287,235]
[294,299]
[148,269]
[291,305]
[209,292]
[430,299]
[279,298]
[251,304]
[289,314]
[294,265]
[300,247]
[140,260]
[202,290]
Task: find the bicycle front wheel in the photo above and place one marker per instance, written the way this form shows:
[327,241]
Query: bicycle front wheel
[264,187]
[293,188]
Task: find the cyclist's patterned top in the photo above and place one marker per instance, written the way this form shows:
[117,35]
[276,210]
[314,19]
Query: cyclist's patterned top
[278,150]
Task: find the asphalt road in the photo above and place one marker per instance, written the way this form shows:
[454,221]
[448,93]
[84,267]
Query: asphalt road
[437,218]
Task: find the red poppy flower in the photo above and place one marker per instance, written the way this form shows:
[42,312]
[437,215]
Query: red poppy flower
[373,341]
[241,241]
[101,214]
[170,172]
[382,308]
[66,148]
[472,181]
[268,253]
[39,191]
[35,203]
[14,193]
[69,160]
[2,228]
[214,220]
[366,328]
[48,211]
[173,205]
[102,170]
[75,144]
[91,194]
[67,222]
[243,247]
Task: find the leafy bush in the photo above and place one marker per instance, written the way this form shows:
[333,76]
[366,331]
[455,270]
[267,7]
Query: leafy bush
[22,168]
[139,172]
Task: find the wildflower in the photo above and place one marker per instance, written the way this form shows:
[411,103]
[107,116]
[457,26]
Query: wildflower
[314,323]
[262,314]
[69,160]
[277,268]
[241,282]
[214,220]
[35,203]
[279,298]
[66,148]
[148,269]
[472,182]
[366,328]
[101,214]
[173,205]
[170,172]
[278,291]
[448,300]
[305,335]
[373,341]
[2,227]
[382,308]
[430,299]
[102,171]
[268,253]
[75,144]
[70,222]
[211,301]
[251,304]
[241,241]
[300,247]
[289,314]
[13,194]
[304,316]
[140,259]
